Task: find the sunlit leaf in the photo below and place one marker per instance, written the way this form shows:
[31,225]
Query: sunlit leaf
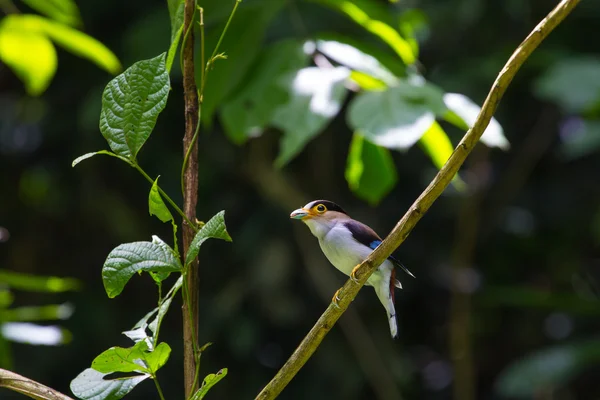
[157,206]
[250,110]
[22,332]
[317,96]
[92,385]
[164,306]
[133,359]
[413,24]
[370,170]
[464,108]
[209,381]
[572,83]
[396,118]
[131,104]
[127,259]
[92,154]
[549,368]
[73,41]
[215,228]
[241,45]
[356,60]
[63,11]
[367,82]
[28,52]
[438,147]
[379,28]
[36,283]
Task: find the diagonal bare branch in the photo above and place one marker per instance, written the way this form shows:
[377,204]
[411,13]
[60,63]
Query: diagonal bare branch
[403,228]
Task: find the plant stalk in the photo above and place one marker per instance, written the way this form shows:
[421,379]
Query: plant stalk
[190,199]
[348,292]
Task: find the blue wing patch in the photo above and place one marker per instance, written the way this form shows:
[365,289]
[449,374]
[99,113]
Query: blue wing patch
[376,243]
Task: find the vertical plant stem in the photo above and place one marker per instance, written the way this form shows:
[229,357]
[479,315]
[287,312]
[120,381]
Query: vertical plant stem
[190,199]
[160,392]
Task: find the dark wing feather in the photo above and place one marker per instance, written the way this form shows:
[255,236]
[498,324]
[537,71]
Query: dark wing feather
[367,236]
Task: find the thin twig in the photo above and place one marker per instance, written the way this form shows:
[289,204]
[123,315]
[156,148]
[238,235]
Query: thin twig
[29,387]
[402,229]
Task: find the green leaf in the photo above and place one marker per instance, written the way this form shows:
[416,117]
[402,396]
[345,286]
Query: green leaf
[75,42]
[164,306]
[173,49]
[176,9]
[367,82]
[572,83]
[317,96]
[157,206]
[215,228]
[132,359]
[379,28]
[92,385]
[92,154]
[370,170]
[356,60]
[209,381]
[397,117]
[131,104]
[37,313]
[36,283]
[241,45]
[467,111]
[437,145]
[138,332]
[129,258]
[119,359]
[28,52]
[552,367]
[63,11]
[250,110]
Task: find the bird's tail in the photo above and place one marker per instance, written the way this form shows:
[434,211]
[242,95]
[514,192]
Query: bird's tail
[385,293]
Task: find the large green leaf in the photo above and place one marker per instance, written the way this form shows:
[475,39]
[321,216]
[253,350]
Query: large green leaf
[370,170]
[215,228]
[28,52]
[93,385]
[241,45]
[132,359]
[209,381]
[176,8]
[437,145]
[247,113]
[549,368]
[465,109]
[316,97]
[397,117]
[63,11]
[128,258]
[131,104]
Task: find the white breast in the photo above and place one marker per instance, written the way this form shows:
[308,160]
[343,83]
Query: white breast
[342,250]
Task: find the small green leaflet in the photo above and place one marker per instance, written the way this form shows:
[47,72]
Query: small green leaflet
[132,359]
[370,170]
[92,154]
[92,385]
[128,258]
[157,206]
[209,381]
[131,103]
[215,228]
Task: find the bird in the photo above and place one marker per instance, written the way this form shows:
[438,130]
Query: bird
[346,243]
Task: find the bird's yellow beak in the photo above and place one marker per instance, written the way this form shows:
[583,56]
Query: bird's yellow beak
[300,213]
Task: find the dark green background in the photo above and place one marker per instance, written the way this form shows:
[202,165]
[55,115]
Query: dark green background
[534,264]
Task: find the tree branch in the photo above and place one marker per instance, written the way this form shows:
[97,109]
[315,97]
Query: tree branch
[402,229]
[28,387]
[190,199]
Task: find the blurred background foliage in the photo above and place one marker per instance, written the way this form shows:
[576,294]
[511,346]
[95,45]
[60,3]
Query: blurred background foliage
[314,101]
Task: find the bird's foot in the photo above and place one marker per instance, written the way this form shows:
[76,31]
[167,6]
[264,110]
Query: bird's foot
[353,274]
[336,298]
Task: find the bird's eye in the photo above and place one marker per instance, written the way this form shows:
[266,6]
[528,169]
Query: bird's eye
[321,208]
